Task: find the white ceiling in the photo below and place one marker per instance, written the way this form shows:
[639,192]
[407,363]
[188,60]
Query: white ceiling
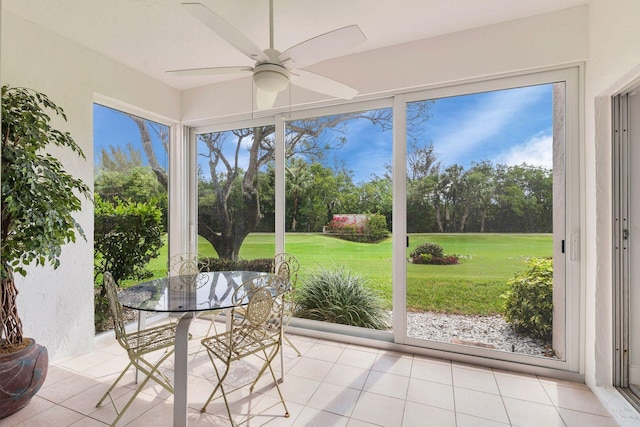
[154,36]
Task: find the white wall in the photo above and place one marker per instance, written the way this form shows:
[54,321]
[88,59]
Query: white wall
[614,63]
[56,306]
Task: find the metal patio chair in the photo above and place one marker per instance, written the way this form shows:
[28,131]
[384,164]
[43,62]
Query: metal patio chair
[287,266]
[138,346]
[257,331]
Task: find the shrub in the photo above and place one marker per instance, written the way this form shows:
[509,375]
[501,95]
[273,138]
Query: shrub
[373,229]
[337,296]
[433,249]
[258,264]
[529,303]
[127,236]
[432,253]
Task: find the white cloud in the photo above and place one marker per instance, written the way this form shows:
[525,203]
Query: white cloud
[536,151]
[480,123]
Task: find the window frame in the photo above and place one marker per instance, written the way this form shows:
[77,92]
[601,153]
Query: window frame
[572,75]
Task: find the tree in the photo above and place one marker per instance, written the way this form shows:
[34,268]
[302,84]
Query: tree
[303,137]
[298,183]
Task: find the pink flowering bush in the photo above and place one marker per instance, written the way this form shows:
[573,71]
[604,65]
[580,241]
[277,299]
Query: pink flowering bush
[373,229]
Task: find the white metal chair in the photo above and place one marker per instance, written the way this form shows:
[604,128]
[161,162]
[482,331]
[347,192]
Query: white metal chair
[189,266]
[287,266]
[257,331]
[138,346]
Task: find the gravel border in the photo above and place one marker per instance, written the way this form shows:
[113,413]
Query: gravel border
[479,331]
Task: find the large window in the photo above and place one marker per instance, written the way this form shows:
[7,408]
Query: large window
[446,206]
[131,199]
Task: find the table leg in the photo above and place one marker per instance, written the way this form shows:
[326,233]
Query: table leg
[180,371]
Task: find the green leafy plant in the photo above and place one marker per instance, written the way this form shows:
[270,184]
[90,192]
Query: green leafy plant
[38,197]
[528,305]
[338,296]
[127,235]
[432,253]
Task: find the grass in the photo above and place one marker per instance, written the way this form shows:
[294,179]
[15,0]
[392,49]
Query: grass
[472,287]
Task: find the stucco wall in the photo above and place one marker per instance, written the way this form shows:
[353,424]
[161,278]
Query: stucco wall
[614,63]
[56,306]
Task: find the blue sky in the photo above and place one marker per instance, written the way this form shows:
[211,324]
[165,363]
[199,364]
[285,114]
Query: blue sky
[509,127]
[112,127]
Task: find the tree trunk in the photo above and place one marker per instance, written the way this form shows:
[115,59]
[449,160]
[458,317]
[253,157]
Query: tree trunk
[11,333]
[145,138]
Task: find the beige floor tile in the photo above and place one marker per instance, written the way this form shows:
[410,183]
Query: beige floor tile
[465,420]
[67,388]
[378,409]
[335,399]
[88,422]
[358,423]
[577,399]
[417,415]
[529,414]
[387,384]
[429,370]
[430,393]
[325,352]
[297,389]
[330,383]
[393,364]
[479,404]
[582,419]
[310,417]
[347,376]
[311,368]
[474,379]
[522,388]
[54,416]
[33,408]
[357,358]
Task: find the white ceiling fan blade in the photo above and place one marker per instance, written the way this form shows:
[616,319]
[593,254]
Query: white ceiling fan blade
[210,71]
[328,45]
[318,83]
[265,99]
[225,30]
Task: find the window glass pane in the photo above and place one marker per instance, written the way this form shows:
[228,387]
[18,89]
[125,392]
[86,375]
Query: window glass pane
[236,198]
[131,202]
[338,216]
[484,191]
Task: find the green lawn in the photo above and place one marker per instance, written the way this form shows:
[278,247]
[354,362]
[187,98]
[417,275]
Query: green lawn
[474,286]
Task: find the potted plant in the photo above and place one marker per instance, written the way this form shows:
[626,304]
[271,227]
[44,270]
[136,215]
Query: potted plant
[38,200]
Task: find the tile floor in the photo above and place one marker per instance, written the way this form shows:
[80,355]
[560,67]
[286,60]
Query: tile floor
[332,384]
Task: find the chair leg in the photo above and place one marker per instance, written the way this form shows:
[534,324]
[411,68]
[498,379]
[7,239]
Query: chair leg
[149,371]
[108,392]
[286,338]
[218,386]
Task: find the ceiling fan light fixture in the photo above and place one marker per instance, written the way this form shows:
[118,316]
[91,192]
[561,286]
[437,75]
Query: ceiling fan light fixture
[271,77]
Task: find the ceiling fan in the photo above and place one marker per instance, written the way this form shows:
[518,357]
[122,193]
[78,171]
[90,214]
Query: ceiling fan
[273,70]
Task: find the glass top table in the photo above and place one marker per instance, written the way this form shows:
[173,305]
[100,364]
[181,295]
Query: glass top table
[190,293]
[187,295]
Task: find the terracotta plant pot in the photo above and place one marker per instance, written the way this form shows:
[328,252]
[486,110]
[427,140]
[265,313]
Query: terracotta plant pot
[22,373]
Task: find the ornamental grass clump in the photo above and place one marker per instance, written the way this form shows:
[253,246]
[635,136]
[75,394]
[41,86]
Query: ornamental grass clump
[338,296]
